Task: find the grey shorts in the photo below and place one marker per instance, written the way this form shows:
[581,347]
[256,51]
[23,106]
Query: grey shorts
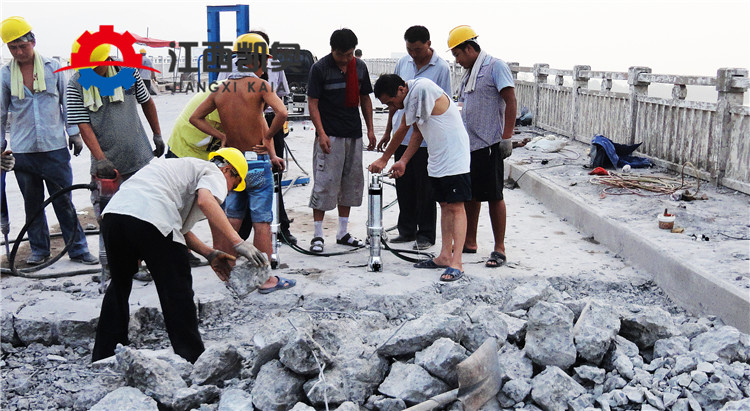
[338,177]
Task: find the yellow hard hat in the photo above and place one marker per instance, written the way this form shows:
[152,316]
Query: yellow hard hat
[460,34]
[100,53]
[236,159]
[249,40]
[143,51]
[13,28]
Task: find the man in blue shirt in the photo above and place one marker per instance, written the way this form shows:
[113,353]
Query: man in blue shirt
[35,95]
[417,212]
[489,113]
[339,84]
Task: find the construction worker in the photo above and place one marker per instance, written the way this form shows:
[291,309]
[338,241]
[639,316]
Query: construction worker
[35,95]
[150,219]
[339,84]
[146,75]
[240,103]
[435,118]
[277,78]
[489,113]
[417,212]
[111,128]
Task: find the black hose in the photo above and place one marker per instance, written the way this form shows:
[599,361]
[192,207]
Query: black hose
[52,235]
[399,253]
[12,270]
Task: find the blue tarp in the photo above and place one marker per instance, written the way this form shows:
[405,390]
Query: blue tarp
[613,155]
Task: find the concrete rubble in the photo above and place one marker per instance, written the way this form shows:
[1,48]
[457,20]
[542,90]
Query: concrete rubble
[597,355]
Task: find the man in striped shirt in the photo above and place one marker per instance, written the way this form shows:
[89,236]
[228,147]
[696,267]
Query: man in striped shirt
[111,128]
[33,100]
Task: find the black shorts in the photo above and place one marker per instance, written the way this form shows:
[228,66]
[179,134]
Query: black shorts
[487,174]
[451,189]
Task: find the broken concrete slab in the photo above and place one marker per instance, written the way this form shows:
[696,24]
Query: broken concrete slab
[594,331]
[418,334]
[246,277]
[154,377]
[233,399]
[303,355]
[646,325]
[354,376]
[552,389]
[411,383]
[485,323]
[526,295]
[126,399]
[440,359]
[514,364]
[276,388]
[726,342]
[192,397]
[218,363]
[549,335]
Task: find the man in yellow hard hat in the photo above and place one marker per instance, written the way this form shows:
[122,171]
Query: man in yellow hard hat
[240,102]
[150,219]
[146,75]
[489,113]
[35,94]
[111,128]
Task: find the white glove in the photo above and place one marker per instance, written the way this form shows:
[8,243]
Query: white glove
[506,148]
[7,161]
[249,251]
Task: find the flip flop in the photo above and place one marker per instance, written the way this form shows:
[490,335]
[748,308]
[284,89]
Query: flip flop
[469,250]
[428,264]
[347,239]
[496,259]
[452,274]
[316,245]
[282,284]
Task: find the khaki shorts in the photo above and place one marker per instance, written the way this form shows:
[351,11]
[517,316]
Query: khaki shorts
[338,177]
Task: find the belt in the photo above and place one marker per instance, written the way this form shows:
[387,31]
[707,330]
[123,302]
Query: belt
[252,156]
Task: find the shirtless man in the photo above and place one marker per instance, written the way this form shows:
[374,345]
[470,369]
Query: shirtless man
[240,102]
[436,119]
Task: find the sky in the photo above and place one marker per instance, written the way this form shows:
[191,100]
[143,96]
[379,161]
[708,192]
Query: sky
[672,37]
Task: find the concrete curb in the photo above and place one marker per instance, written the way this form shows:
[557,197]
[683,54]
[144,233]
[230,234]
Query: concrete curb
[691,287]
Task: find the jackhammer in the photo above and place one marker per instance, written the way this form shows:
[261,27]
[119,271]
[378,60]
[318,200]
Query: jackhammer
[275,226]
[375,221]
[105,190]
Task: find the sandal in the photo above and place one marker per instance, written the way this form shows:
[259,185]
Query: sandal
[282,284]
[496,259]
[451,274]
[428,264]
[347,239]
[316,245]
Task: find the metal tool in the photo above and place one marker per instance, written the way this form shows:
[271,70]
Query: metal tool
[106,189]
[375,221]
[479,380]
[275,222]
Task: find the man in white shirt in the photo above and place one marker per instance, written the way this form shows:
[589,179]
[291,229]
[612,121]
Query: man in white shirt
[150,219]
[436,119]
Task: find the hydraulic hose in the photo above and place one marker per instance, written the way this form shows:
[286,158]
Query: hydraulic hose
[12,270]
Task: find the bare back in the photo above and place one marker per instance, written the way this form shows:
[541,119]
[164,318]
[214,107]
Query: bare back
[240,103]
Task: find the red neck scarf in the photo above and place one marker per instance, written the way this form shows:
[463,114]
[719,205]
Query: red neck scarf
[352,84]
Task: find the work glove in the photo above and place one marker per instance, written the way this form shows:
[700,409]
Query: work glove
[8,161]
[219,262]
[104,169]
[75,143]
[249,251]
[506,148]
[159,144]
